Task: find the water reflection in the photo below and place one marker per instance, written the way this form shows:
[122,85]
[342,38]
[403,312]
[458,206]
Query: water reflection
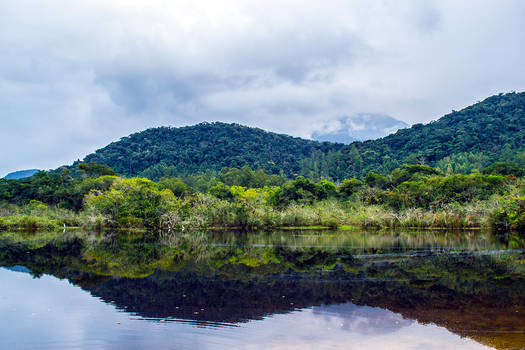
[299,288]
[365,320]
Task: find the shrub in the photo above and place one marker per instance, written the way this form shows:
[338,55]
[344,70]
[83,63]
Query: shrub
[509,216]
[349,186]
[133,202]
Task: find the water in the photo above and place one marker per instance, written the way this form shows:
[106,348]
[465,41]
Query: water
[284,290]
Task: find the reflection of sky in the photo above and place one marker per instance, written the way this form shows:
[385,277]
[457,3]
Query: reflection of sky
[361,319]
[51,313]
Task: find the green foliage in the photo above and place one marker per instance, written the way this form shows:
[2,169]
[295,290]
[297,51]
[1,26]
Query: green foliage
[502,168]
[133,202]
[253,196]
[377,180]
[509,216]
[302,190]
[221,191]
[94,170]
[249,178]
[349,186]
[459,142]
[175,185]
[412,172]
[419,190]
[436,191]
[52,188]
[73,196]
[463,163]
[169,152]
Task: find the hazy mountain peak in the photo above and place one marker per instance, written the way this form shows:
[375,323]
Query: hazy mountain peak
[359,127]
[21,174]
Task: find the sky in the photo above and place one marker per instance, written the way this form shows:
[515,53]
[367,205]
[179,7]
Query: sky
[76,75]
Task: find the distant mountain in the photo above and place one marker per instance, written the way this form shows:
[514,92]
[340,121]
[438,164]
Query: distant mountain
[18,268]
[488,131]
[359,127]
[21,174]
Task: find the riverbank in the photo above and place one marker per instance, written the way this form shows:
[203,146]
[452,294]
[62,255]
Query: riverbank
[414,196]
[213,213]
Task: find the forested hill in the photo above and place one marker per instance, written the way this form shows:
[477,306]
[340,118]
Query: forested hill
[474,137]
[488,131]
[206,146]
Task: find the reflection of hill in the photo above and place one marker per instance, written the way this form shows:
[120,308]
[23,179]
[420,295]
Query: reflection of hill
[471,295]
[489,318]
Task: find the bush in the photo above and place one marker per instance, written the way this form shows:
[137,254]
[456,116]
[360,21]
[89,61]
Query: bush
[349,186]
[133,202]
[175,185]
[509,216]
[29,223]
[500,168]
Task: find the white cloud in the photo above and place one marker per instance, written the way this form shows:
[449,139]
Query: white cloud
[76,75]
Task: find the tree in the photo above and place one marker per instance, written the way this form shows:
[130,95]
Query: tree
[349,186]
[175,185]
[94,169]
[501,168]
[377,180]
[133,202]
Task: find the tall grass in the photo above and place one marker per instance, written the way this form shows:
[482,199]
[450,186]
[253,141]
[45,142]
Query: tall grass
[209,212]
[206,211]
[38,216]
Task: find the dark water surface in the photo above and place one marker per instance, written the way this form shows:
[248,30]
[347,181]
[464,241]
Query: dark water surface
[283,290]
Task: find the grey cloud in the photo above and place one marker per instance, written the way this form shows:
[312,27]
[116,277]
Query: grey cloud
[75,76]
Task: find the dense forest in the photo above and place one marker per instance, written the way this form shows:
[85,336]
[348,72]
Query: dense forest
[167,151]
[472,138]
[460,142]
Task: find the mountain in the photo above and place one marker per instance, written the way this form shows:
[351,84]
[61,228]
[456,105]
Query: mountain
[21,174]
[488,131]
[360,127]
[207,146]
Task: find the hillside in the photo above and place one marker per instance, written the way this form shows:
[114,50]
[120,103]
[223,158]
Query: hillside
[21,174]
[487,131]
[206,146]
[474,137]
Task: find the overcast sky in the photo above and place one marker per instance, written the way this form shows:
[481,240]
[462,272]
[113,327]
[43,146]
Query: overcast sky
[76,75]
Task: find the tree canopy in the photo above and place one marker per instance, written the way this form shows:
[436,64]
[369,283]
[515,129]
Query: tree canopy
[459,142]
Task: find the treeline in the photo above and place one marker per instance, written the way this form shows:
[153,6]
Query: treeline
[411,196]
[460,142]
[166,151]
[490,130]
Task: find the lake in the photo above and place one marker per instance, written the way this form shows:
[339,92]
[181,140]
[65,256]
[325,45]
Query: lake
[278,290]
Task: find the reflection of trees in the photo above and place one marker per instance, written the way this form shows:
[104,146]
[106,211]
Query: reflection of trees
[238,278]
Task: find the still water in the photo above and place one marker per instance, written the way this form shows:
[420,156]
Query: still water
[281,290]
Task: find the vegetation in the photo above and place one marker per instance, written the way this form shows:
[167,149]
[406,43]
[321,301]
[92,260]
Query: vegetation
[170,152]
[464,170]
[460,142]
[411,196]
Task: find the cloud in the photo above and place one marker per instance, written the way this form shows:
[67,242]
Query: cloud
[75,76]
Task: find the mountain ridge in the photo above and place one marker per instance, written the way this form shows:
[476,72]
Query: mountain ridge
[207,146]
[21,174]
[493,128]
